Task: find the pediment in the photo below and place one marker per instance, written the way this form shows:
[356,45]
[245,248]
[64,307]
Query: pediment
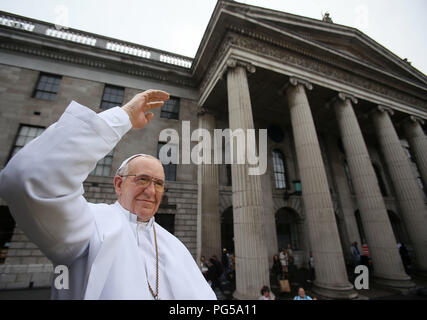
[343,41]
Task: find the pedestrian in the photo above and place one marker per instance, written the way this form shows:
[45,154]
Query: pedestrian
[226,265]
[277,269]
[364,258]
[406,260]
[311,268]
[283,256]
[355,254]
[301,295]
[266,294]
[290,255]
[214,273]
[204,266]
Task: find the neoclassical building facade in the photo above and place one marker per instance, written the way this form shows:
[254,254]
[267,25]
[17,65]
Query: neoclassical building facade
[347,151]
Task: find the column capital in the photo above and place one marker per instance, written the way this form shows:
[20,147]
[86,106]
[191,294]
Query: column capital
[233,62]
[294,81]
[381,108]
[205,110]
[413,119]
[344,96]
[378,109]
[341,96]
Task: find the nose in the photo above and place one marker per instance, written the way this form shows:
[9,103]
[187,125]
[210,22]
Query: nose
[150,190]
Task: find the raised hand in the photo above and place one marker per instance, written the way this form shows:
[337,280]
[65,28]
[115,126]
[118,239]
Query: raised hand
[138,106]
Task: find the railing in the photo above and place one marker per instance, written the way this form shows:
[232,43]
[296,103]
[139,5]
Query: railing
[71,36]
[123,48]
[175,60]
[16,23]
[93,40]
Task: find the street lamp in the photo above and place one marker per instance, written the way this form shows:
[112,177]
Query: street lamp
[297,187]
[297,190]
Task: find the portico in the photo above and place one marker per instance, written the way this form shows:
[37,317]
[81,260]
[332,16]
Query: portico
[325,102]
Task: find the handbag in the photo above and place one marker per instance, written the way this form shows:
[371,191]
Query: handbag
[285,286]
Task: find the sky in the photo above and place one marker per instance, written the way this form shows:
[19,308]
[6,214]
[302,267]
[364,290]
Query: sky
[178,26]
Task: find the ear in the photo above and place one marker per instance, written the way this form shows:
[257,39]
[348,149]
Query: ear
[118,185]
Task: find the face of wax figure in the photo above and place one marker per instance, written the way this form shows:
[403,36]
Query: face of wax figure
[140,200]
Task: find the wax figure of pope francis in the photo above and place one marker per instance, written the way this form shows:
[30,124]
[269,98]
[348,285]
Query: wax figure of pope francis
[112,251]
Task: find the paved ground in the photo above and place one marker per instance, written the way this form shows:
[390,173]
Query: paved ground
[25,294]
[297,278]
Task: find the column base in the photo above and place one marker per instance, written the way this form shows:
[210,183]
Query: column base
[401,286]
[421,274]
[241,296]
[341,293]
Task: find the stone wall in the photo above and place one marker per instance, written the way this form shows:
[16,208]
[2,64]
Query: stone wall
[25,265]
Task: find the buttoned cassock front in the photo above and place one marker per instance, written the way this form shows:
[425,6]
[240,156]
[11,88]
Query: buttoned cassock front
[109,254]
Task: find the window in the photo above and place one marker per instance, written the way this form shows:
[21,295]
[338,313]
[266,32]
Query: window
[170,169]
[103,167]
[170,110]
[47,87]
[25,135]
[112,97]
[279,169]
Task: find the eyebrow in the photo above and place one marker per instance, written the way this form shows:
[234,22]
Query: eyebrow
[154,178]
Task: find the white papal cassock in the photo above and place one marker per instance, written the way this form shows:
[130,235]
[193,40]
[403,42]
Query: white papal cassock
[109,254]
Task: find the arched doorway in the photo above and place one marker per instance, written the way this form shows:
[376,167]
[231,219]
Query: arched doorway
[227,230]
[287,228]
[7,225]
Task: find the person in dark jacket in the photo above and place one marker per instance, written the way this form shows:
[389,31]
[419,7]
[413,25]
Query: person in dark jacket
[225,260]
[404,254]
[277,268]
[214,273]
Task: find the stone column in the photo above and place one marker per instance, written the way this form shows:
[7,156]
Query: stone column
[408,192]
[331,275]
[344,194]
[208,215]
[251,259]
[388,267]
[418,143]
[269,217]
